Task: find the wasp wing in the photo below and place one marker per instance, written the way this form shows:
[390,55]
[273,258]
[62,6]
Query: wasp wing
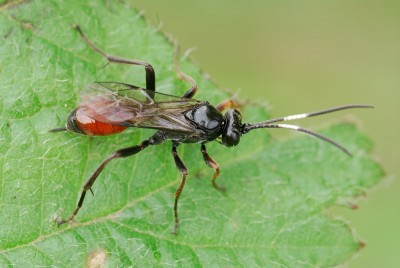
[132,106]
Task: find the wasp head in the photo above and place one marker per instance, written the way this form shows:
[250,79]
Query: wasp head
[232,130]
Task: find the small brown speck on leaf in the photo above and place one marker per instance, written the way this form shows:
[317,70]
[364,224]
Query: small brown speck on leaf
[97,259]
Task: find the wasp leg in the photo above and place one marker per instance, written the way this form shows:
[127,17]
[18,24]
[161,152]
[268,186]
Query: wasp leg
[193,89]
[182,168]
[155,139]
[226,104]
[150,74]
[212,164]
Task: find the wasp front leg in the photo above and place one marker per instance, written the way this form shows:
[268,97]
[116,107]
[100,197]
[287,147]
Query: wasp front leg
[212,164]
[227,104]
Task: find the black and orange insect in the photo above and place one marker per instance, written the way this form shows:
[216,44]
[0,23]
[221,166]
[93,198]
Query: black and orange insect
[108,108]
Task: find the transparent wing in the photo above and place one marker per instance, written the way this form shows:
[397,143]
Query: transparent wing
[131,106]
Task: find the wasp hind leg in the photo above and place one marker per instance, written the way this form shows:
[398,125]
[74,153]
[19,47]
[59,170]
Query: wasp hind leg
[157,138]
[150,74]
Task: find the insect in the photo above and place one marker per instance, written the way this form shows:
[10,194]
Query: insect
[109,108]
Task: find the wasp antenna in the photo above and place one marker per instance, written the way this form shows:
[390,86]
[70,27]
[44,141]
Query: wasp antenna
[58,129]
[317,113]
[268,123]
[247,128]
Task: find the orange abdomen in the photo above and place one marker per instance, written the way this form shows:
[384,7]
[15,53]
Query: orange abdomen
[94,127]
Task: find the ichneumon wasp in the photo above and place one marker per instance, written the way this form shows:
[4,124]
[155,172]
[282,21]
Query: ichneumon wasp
[108,108]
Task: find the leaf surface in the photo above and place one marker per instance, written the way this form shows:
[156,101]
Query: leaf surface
[272,215]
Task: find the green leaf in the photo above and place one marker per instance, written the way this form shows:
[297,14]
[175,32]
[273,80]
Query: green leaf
[272,215]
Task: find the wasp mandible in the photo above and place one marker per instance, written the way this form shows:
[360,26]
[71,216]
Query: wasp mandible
[108,108]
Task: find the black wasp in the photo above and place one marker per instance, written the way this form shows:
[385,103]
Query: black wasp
[109,108]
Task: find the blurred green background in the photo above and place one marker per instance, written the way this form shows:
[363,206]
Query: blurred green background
[301,56]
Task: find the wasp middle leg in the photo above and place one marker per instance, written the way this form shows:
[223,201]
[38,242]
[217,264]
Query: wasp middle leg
[193,89]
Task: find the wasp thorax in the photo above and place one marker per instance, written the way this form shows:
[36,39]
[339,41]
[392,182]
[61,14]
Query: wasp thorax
[231,133]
